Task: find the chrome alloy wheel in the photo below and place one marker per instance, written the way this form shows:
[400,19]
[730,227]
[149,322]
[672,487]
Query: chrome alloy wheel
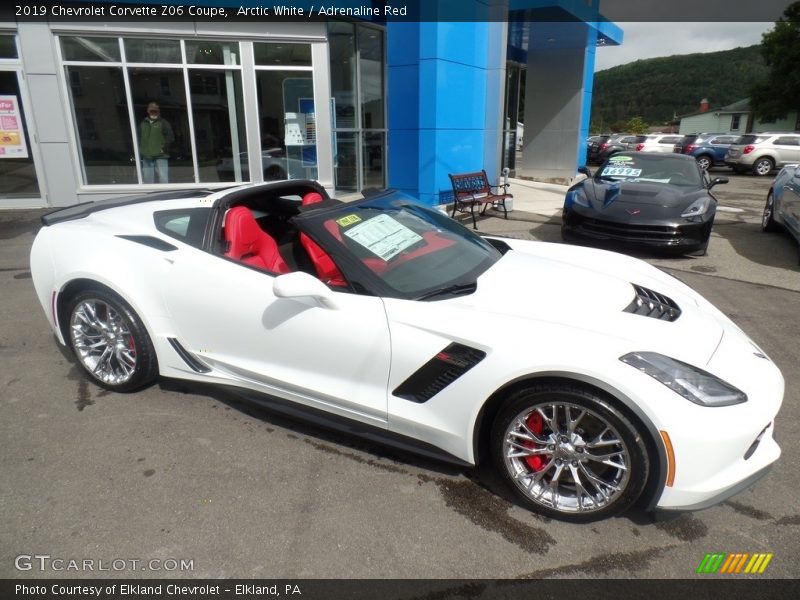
[566,457]
[103,341]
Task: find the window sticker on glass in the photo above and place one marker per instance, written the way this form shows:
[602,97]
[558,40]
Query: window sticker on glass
[383,236]
[348,220]
[621,172]
[620,158]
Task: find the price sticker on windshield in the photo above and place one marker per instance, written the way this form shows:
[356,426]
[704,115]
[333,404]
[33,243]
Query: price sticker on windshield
[348,220]
[621,171]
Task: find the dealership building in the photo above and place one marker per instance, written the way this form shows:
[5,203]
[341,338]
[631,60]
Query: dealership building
[354,102]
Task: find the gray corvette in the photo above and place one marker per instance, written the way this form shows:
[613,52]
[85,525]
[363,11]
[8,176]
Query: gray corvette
[655,201]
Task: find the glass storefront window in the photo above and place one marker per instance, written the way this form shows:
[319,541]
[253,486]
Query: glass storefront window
[17,175]
[165,87]
[90,49]
[152,51]
[370,65]
[283,54]
[345,161]
[205,52]
[373,159]
[101,117]
[341,41]
[219,127]
[358,88]
[288,124]
[8,47]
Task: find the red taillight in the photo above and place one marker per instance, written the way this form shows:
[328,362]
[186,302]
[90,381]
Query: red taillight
[748,149]
[688,149]
[603,146]
[639,147]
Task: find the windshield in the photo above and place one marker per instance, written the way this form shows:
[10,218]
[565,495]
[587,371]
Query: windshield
[409,250]
[653,168]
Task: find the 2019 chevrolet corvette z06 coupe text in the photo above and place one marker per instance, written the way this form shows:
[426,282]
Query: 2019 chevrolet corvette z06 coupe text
[645,200]
[589,380]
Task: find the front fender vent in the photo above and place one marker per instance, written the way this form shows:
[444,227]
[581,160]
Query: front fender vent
[652,304]
[439,372]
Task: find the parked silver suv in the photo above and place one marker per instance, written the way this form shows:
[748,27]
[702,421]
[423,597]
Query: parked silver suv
[762,152]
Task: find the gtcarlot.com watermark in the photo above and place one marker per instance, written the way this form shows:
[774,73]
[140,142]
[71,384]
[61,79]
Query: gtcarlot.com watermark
[46,563]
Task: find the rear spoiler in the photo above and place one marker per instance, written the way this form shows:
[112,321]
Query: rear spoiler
[84,209]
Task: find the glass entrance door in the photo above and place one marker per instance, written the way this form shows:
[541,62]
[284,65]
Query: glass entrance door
[17,170]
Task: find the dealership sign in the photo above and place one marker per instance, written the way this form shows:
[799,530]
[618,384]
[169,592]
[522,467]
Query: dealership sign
[12,135]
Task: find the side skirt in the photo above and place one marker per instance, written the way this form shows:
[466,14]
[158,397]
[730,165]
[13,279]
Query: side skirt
[333,422]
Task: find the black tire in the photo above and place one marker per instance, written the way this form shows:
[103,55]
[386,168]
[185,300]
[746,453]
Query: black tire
[705,162]
[131,362]
[617,485]
[763,166]
[768,222]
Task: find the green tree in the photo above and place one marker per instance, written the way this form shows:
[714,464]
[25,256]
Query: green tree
[636,125]
[779,94]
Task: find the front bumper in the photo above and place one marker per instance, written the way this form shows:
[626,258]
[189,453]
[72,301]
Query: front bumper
[721,451]
[679,235]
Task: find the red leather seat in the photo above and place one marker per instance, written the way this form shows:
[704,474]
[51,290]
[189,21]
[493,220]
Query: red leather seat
[249,244]
[326,269]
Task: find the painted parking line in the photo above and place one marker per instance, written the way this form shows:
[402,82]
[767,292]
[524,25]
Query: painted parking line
[729,209]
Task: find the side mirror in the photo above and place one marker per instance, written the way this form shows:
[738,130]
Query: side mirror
[303,285]
[717,180]
[585,171]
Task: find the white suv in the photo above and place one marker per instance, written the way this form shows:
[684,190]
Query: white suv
[660,142]
[762,152]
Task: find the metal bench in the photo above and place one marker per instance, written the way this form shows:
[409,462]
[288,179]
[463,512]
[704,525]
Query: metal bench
[473,189]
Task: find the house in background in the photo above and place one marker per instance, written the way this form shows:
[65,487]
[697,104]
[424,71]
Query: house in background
[733,118]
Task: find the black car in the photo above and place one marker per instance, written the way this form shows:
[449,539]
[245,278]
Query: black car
[643,199]
[620,144]
[593,148]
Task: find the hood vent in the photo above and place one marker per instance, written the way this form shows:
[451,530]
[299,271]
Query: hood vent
[652,304]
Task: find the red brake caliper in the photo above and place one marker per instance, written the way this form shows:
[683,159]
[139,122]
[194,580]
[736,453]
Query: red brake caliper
[536,424]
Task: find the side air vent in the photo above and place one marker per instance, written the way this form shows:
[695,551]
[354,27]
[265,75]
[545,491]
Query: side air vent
[194,364]
[149,240]
[652,304]
[439,372]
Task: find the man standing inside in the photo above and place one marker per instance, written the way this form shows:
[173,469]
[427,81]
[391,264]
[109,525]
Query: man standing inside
[155,138]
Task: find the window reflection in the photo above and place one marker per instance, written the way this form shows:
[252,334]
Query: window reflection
[165,87]
[100,108]
[288,124]
[219,128]
[152,51]
[90,49]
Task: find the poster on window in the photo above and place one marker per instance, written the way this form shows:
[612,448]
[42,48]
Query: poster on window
[12,135]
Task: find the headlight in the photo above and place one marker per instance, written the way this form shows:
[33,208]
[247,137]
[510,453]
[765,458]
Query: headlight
[698,207]
[690,382]
[576,197]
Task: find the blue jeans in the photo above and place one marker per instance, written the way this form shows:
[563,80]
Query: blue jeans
[155,166]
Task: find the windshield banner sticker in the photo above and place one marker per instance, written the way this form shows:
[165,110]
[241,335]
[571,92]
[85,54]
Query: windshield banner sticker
[383,236]
[621,172]
[617,158]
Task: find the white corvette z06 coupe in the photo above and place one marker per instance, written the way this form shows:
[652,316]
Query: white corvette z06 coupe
[591,381]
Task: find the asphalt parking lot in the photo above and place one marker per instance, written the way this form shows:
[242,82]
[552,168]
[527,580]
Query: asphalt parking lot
[196,474]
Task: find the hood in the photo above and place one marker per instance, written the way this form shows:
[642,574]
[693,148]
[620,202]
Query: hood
[652,199]
[590,290]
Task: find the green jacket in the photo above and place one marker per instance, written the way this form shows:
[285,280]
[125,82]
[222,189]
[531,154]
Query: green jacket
[155,138]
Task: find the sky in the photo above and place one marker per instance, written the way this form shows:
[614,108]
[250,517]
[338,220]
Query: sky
[648,40]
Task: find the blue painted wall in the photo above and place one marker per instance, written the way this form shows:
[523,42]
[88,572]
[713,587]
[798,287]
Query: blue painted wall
[444,94]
